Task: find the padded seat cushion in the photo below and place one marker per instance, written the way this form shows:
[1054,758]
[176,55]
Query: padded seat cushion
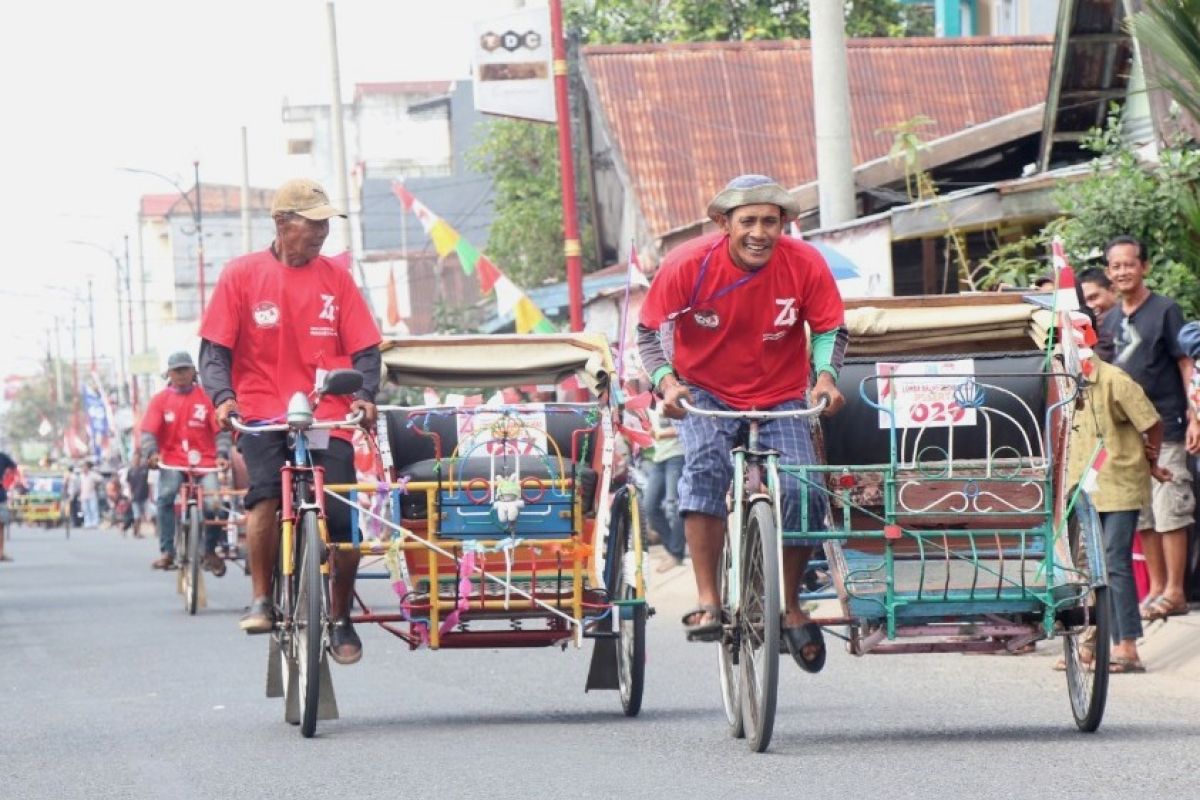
[413,505]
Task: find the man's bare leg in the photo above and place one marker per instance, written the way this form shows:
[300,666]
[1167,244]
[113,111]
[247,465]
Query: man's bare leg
[262,537]
[706,539]
[345,568]
[1175,552]
[795,561]
[1156,567]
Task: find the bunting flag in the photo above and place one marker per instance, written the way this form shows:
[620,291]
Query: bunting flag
[510,299]
[637,276]
[393,303]
[1091,478]
[1065,298]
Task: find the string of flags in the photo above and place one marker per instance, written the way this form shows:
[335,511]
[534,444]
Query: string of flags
[510,299]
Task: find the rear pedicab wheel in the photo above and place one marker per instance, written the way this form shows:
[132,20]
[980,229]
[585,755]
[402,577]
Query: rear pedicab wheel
[758,625]
[1086,648]
[727,656]
[309,628]
[621,582]
[191,566]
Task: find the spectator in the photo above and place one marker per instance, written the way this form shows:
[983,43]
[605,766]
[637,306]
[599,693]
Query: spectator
[89,495]
[1099,296]
[1145,329]
[662,489]
[6,464]
[138,480]
[1119,414]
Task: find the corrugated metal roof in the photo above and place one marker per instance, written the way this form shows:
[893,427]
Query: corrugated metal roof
[688,117]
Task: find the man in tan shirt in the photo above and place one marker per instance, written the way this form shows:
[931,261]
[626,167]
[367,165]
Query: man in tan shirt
[1118,414]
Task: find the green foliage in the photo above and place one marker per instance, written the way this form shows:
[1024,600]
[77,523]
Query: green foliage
[526,238]
[1170,29]
[34,400]
[1156,203]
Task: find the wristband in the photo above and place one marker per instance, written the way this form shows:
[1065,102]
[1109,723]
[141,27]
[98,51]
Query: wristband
[661,373]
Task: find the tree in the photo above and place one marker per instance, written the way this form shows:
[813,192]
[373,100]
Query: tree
[34,402]
[522,157]
[1171,30]
[1154,202]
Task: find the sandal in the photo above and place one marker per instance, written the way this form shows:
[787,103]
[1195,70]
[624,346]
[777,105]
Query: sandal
[1162,608]
[701,631]
[1144,608]
[1118,666]
[802,636]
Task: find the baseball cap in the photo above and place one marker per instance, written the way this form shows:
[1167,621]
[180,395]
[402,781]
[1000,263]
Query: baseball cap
[179,359]
[304,197]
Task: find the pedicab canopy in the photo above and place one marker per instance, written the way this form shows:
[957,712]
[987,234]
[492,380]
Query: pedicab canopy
[499,360]
[990,322]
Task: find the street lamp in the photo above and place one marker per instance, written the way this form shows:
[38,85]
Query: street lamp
[125,381]
[197,217]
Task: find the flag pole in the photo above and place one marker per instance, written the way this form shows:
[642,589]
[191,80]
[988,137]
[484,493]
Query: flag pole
[571,246]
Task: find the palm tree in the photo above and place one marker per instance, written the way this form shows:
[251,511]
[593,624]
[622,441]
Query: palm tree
[1170,29]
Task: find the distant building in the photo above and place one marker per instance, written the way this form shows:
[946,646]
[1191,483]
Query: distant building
[169,252]
[991,17]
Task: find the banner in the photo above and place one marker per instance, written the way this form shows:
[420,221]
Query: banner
[514,66]
[97,416]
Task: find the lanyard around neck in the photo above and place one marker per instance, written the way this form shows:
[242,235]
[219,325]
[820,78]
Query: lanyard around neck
[693,302]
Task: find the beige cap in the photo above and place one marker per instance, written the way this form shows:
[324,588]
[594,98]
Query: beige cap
[304,197]
[746,190]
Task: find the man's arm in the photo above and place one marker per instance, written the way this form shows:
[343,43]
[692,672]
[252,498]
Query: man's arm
[828,355]
[368,362]
[216,371]
[656,365]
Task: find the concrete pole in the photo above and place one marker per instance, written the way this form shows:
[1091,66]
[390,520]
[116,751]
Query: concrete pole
[831,111]
[132,379]
[59,394]
[122,373]
[247,244]
[92,322]
[142,297]
[342,200]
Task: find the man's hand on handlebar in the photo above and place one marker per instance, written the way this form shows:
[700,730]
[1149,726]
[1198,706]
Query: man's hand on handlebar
[227,409]
[826,386]
[672,393]
[369,413]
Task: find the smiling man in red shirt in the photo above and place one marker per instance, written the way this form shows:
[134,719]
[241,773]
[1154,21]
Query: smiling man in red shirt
[280,319]
[723,326]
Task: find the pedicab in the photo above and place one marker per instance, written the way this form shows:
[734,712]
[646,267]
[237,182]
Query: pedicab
[940,500]
[42,502]
[497,525]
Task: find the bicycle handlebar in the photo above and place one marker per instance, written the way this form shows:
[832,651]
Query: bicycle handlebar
[197,470]
[797,413]
[351,421]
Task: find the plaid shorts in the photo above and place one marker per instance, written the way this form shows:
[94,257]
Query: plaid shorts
[708,466]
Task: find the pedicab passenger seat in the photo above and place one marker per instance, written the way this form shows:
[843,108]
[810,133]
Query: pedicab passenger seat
[415,453]
[854,438]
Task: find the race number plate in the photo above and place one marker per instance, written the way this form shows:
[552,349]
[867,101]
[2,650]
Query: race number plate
[926,394]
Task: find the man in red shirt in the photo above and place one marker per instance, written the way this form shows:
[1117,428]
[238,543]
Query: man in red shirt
[180,419]
[723,326]
[279,319]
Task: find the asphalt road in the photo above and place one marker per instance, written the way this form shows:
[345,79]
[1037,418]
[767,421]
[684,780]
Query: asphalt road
[108,690]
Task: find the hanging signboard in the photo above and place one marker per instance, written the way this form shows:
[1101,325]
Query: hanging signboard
[514,74]
[926,394]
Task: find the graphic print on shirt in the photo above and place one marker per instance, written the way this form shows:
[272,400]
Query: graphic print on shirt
[199,413]
[266,314]
[328,312]
[786,318]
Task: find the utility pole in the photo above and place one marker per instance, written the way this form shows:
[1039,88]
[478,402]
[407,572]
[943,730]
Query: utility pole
[199,242]
[247,244]
[133,389]
[831,112]
[92,322]
[571,246]
[339,154]
[123,374]
[59,394]
[142,292]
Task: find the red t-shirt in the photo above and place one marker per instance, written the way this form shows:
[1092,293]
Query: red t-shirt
[182,421]
[283,324]
[741,334]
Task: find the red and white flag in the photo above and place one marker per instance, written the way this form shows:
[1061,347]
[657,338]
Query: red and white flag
[1065,298]
[637,276]
[1091,479]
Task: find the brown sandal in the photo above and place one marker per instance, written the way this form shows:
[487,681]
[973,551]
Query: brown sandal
[1162,608]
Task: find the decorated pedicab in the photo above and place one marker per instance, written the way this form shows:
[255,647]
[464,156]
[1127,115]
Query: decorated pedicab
[494,525]
[43,502]
[949,526]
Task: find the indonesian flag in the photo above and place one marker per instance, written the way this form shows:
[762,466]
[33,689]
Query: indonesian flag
[637,276]
[1065,298]
[393,302]
[1091,479]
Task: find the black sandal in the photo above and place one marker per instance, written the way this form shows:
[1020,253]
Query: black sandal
[704,631]
[806,635]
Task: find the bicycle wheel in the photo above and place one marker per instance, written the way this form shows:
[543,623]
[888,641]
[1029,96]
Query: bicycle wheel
[310,621]
[758,625]
[727,655]
[631,644]
[1087,679]
[191,559]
